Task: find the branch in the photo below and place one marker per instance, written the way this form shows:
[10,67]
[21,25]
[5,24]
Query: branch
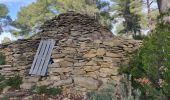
[150,3]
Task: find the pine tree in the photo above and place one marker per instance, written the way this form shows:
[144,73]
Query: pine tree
[4,18]
[36,13]
[130,11]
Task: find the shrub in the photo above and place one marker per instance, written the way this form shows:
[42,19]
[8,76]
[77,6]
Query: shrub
[46,90]
[2,78]
[2,59]
[14,82]
[122,91]
[150,67]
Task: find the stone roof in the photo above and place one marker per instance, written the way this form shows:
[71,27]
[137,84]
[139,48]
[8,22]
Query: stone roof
[75,25]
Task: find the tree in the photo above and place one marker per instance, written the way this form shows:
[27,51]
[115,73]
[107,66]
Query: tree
[129,10]
[38,12]
[4,18]
[31,16]
[164,9]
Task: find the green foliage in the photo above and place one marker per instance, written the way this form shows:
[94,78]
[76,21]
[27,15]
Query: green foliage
[130,11]
[2,59]
[34,15]
[2,83]
[5,20]
[3,10]
[46,90]
[113,91]
[152,63]
[14,82]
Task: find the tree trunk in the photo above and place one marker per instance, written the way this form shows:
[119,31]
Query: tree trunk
[149,13]
[164,7]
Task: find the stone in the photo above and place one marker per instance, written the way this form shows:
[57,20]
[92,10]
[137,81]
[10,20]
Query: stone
[108,59]
[66,64]
[55,78]
[66,98]
[61,70]
[6,89]
[63,82]
[45,83]
[31,79]
[75,33]
[78,72]
[91,63]
[116,78]
[87,82]
[94,74]
[109,71]
[54,65]
[102,74]
[89,55]
[101,51]
[113,55]
[27,85]
[91,68]
[104,80]
[79,64]
[55,56]
[58,60]
[107,65]
[108,43]
[97,41]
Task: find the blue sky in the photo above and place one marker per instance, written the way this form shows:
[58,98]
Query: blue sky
[13,6]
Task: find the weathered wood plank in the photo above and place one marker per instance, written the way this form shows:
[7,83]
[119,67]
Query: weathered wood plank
[35,57]
[43,58]
[47,58]
[39,58]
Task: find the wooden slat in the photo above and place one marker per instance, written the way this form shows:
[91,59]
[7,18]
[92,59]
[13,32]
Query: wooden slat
[39,58]
[35,57]
[47,58]
[43,58]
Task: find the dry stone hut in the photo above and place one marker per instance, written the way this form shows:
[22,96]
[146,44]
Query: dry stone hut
[85,56]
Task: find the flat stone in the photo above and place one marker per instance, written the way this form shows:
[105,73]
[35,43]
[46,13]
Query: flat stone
[89,55]
[116,78]
[79,64]
[91,63]
[55,78]
[78,72]
[54,65]
[108,59]
[109,71]
[108,43]
[113,55]
[107,65]
[61,70]
[86,82]
[6,89]
[101,51]
[45,83]
[97,41]
[66,64]
[27,85]
[91,68]
[94,74]
[63,82]
[57,60]
[102,74]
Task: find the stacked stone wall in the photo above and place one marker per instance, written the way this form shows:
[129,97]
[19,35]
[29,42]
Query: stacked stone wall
[86,55]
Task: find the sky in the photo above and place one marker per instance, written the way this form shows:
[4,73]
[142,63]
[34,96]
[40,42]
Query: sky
[13,6]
